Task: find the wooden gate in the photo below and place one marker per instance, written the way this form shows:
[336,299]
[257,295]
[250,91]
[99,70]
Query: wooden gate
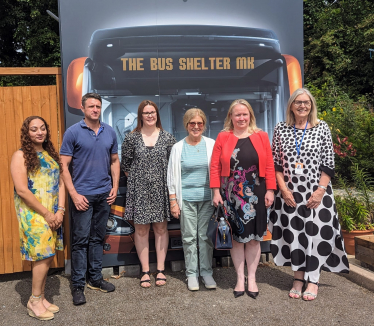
[16,104]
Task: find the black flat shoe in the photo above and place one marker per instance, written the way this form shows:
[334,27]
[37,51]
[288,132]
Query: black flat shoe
[253,295]
[238,294]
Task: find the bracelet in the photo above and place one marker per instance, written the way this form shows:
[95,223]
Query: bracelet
[323,187]
[175,198]
[62,208]
[62,211]
[173,205]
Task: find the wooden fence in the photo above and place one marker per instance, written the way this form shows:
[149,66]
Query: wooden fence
[16,104]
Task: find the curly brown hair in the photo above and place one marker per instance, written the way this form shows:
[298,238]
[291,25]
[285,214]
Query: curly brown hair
[32,162]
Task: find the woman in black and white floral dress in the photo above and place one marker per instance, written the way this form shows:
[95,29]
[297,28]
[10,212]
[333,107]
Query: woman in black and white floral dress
[304,222]
[145,156]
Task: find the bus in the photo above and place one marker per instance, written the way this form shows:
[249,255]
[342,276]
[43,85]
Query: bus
[179,67]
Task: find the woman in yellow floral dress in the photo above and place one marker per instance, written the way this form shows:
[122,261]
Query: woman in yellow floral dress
[39,197]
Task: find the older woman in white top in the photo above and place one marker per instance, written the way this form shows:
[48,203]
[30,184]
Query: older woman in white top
[191,198]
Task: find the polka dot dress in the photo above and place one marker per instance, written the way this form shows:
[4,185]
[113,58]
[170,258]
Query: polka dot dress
[306,239]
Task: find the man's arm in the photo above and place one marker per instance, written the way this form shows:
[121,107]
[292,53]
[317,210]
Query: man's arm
[80,202]
[115,171]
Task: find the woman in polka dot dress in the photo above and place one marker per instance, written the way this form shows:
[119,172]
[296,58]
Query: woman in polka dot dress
[304,222]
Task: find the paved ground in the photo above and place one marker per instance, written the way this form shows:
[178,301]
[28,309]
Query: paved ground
[340,302]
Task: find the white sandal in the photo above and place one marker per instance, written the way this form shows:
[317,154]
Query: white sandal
[310,294]
[294,291]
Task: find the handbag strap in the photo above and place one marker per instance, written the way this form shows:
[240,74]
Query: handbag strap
[218,208]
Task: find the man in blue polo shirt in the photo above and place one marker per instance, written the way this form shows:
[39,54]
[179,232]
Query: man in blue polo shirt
[89,149]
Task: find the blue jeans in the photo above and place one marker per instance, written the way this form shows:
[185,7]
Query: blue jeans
[88,232]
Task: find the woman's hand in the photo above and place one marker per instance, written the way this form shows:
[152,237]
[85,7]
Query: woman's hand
[59,218]
[51,219]
[315,199]
[217,198]
[269,198]
[175,211]
[288,197]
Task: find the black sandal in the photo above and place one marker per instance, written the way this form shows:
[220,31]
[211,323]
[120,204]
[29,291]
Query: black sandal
[293,291]
[145,281]
[160,278]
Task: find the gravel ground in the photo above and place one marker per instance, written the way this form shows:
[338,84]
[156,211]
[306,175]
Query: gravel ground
[339,302]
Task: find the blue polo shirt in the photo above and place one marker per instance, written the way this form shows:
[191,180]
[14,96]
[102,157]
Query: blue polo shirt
[90,164]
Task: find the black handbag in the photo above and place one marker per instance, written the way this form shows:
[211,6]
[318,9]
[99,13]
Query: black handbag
[220,235]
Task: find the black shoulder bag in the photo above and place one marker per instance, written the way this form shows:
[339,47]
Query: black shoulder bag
[219,231]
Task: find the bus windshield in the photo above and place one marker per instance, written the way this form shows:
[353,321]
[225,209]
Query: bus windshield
[181,67]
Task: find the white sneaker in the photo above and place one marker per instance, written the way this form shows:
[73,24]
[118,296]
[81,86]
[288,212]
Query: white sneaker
[209,282]
[193,283]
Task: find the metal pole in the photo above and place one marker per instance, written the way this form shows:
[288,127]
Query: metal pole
[53,15]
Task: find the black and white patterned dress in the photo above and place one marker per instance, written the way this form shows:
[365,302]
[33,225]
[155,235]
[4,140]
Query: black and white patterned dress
[147,197]
[306,239]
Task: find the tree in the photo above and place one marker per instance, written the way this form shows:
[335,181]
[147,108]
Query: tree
[28,38]
[337,38]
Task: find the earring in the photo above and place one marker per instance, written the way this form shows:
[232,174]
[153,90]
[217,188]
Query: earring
[45,140]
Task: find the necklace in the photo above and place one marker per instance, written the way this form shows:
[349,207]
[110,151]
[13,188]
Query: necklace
[196,146]
[192,142]
[243,135]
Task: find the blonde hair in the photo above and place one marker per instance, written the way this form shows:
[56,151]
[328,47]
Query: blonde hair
[228,125]
[312,117]
[192,113]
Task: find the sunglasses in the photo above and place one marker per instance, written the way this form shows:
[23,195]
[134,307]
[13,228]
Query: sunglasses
[193,124]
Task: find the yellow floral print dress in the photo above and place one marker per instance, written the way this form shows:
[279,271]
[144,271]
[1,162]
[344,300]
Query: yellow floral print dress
[37,240]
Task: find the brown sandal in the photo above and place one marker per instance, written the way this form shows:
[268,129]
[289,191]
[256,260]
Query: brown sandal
[46,315]
[52,308]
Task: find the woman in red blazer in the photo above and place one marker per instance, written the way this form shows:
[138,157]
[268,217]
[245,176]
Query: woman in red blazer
[243,179]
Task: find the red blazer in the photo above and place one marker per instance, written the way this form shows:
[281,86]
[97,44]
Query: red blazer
[222,151]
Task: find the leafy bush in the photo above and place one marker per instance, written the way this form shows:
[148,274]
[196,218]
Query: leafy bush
[352,127]
[356,211]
